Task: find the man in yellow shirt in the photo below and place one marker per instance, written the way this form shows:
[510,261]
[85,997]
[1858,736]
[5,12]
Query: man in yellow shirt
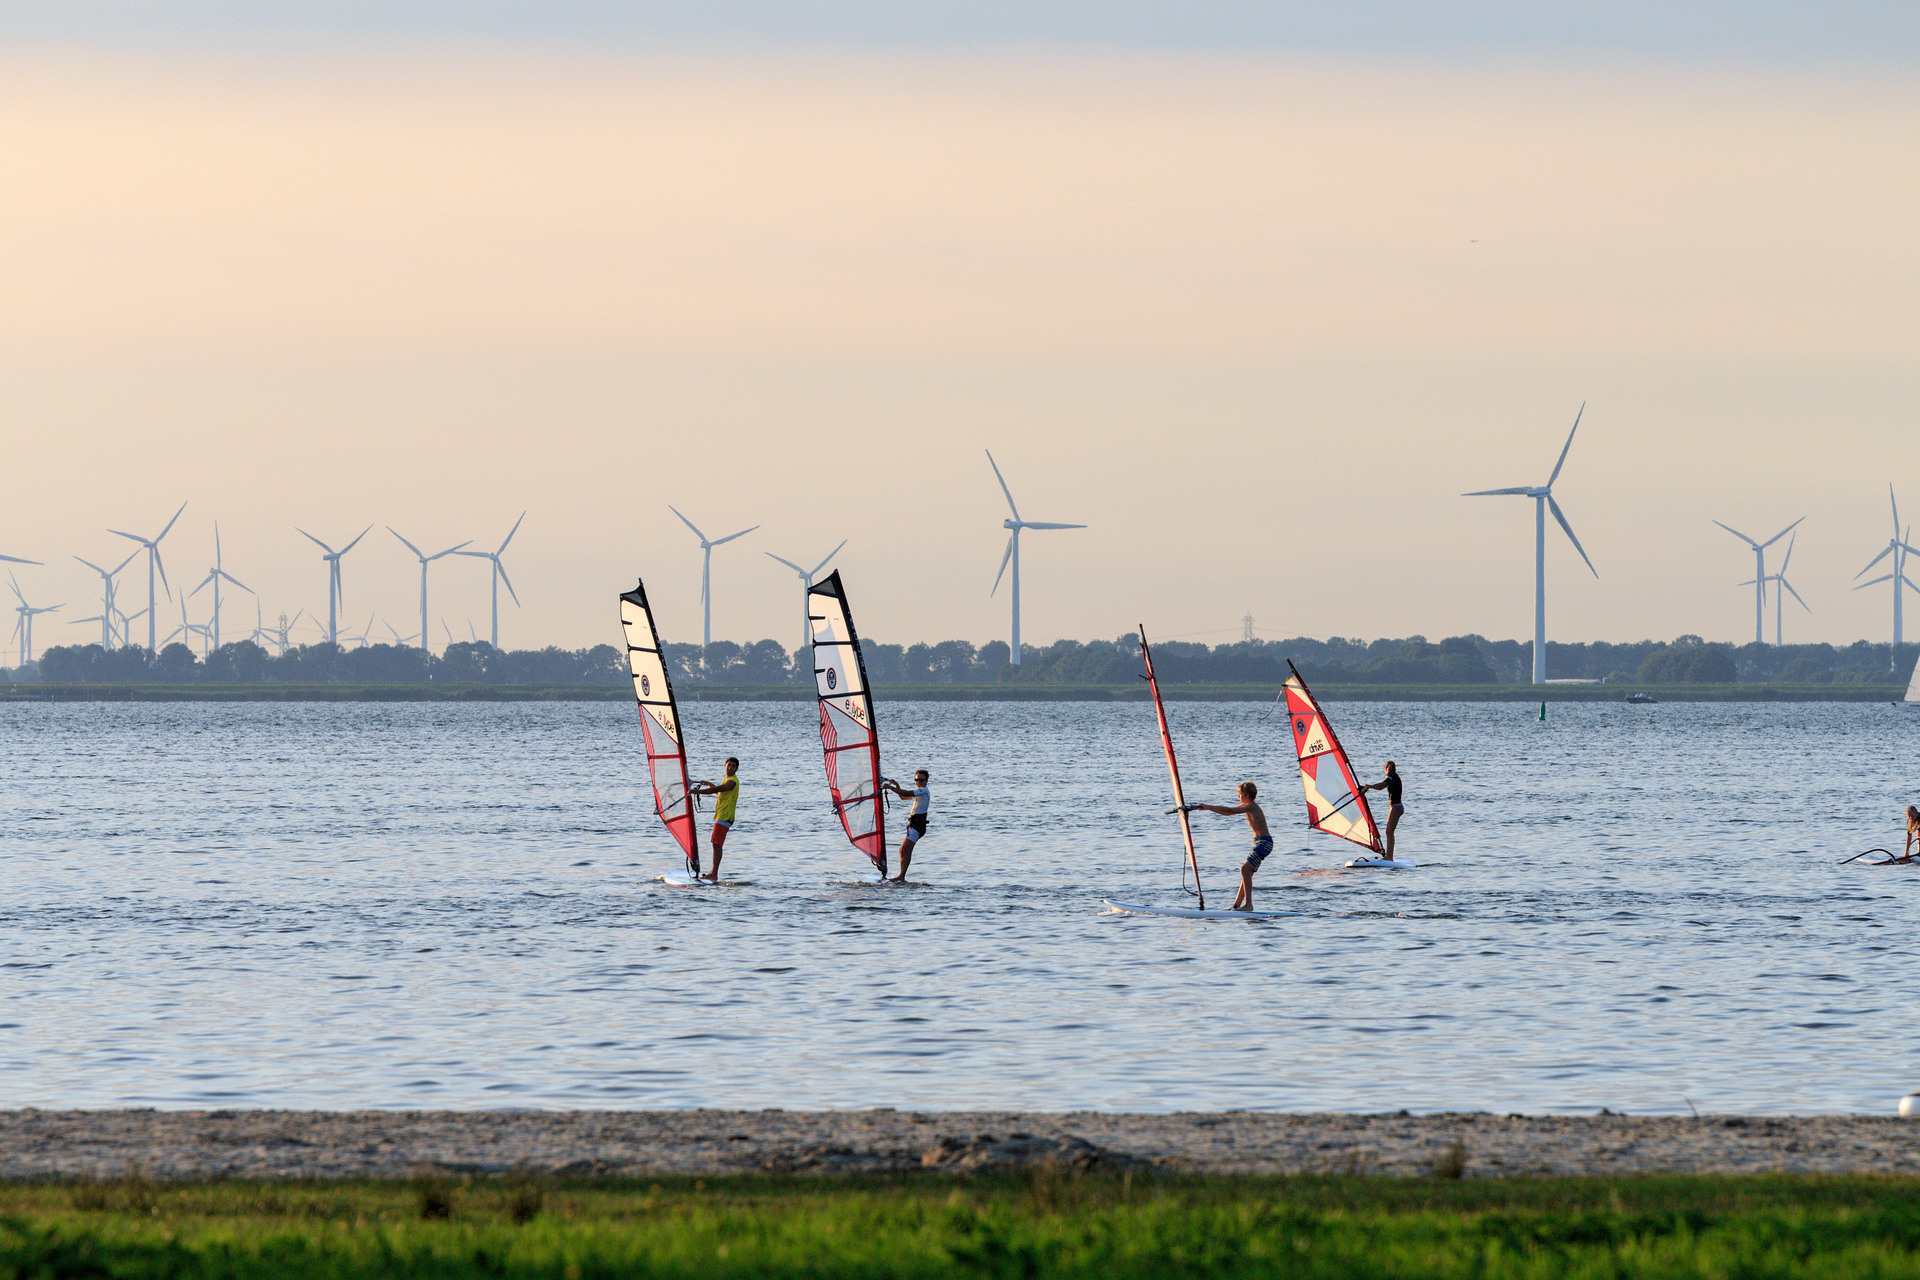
[727,792]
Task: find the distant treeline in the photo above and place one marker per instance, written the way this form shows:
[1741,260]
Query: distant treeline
[1458,660]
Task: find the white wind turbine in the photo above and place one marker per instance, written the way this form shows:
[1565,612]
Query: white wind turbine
[189,630]
[107,591]
[24,626]
[1899,549]
[153,565]
[215,576]
[499,576]
[426,560]
[806,585]
[1543,502]
[399,639]
[1013,552]
[706,572]
[1760,578]
[335,597]
[1779,577]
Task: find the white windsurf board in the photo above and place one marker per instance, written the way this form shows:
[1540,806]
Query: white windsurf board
[687,880]
[1382,864]
[1193,913]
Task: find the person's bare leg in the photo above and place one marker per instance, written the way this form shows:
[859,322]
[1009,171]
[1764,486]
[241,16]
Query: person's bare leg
[906,860]
[1243,900]
[715,877]
[1393,820]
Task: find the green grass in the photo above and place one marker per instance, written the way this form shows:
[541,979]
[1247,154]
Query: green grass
[1043,1224]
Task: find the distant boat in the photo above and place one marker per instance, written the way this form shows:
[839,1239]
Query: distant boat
[1641,699]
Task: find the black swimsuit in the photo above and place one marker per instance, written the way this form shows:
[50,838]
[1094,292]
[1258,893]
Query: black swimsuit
[1393,790]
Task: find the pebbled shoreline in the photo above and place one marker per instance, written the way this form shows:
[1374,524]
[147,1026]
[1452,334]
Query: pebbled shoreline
[180,1145]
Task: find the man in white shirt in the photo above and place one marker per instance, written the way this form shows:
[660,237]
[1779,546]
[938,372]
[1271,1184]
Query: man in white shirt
[917,822]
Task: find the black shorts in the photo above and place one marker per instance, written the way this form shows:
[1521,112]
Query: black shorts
[916,826]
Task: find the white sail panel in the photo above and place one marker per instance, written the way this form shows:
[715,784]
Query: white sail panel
[1913,685]
[849,738]
[659,720]
[1335,803]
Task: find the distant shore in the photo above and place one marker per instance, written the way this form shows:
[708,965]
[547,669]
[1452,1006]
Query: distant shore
[1616,693]
[179,1145]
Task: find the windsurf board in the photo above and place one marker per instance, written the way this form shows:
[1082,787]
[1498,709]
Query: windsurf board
[1193,913]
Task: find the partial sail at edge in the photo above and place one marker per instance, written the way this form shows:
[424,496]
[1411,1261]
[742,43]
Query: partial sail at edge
[848,736]
[1335,803]
[1173,767]
[659,720]
[1913,685]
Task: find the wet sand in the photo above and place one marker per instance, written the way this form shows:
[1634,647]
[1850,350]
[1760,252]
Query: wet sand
[334,1144]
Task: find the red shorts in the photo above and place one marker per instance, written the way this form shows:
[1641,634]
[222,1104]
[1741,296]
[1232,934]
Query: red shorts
[720,830]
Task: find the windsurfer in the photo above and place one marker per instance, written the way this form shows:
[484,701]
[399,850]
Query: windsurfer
[916,822]
[1391,784]
[727,791]
[1913,833]
[1262,840]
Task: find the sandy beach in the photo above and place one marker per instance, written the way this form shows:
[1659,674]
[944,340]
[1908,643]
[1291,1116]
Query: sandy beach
[332,1144]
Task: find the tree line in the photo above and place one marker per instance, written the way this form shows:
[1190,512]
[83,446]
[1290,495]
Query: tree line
[1457,660]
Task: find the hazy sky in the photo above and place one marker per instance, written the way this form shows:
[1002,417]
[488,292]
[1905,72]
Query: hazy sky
[1254,298]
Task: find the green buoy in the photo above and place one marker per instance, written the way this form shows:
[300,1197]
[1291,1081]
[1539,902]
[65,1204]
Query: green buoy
[1543,711]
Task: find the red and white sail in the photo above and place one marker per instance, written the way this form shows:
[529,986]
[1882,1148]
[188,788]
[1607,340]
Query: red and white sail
[1335,803]
[1173,768]
[847,731]
[659,720]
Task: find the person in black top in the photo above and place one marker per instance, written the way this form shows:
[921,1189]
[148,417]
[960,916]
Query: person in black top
[1391,784]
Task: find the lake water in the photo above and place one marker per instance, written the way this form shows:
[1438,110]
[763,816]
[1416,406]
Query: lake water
[364,905]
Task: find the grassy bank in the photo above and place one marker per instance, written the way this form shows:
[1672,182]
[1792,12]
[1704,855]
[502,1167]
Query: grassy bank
[220,692]
[1041,1224]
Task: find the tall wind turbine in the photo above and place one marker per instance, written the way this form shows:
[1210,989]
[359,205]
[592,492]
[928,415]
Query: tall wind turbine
[153,565]
[215,575]
[335,597]
[706,572]
[1899,549]
[1781,587]
[498,576]
[1543,502]
[806,585]
[107,592]
[1760,578]
[426,560]
[1013,552]
[24,627]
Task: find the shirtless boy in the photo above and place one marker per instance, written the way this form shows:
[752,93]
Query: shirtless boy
[916,821]
[1262,841]
[728,789]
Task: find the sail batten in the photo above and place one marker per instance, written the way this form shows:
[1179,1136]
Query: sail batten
[1335,803]
[659,721]
[1173,768]
[849,738]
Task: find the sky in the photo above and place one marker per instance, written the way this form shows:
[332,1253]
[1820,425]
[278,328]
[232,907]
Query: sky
[1254,296]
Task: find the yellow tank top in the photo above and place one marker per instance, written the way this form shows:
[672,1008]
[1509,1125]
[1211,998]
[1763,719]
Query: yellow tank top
[724,802]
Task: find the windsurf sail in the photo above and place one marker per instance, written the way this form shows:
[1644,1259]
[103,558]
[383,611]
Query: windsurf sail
[1335,803]
[1913,685]
[1173,768]
[847,732]
[659,720]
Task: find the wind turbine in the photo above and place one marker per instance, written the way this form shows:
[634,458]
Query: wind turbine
[106,597]
[1543,502]
[1780,596]
[1760,578]
[24,627]
[1899,549]
[1013,553]
[806,584]
[334,595]
[360,641]
[214,576]
[189,630]
[498,576]
[399,639]
[153,565]
[426,560]
[280,633]
[706,572]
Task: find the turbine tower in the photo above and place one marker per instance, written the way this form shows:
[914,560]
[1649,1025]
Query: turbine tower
[499,576]
[706,572]
[1779,578]
[153,566]
[1543,502]
[1899,549]
[215,575]
[24,627]
[335,597]
[1013,553]
[1760,578]
[425,560]
[107,592]
[806,585]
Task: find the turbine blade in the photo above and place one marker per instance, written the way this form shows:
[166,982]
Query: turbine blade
[1496,493]
[161,565]
[14,583]
[730,537]
[1885,577]
[18,560]
[136,537]
[1896,509]
[356,542]
[449,551]
[91,565]
[1563,450]
[403,542]
[1795,595]
[203,585]
[1003,562]
[1003,484]
[690,524]
[131,557]
[510,533]
[830,555]
[1561,517]
[1736,533]
[1028,524]
[309,537]
[790,564]
[1884,553]
[502,571]
[216,544]
[1788,558]
[236,582]
[1783,533]
[169,529]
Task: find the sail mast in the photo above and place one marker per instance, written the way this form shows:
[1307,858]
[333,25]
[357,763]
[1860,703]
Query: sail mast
[1173,768]
[848,736]
[1325,772]
[659,721]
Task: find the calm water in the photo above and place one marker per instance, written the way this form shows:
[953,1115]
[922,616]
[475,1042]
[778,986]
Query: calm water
[435,906]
